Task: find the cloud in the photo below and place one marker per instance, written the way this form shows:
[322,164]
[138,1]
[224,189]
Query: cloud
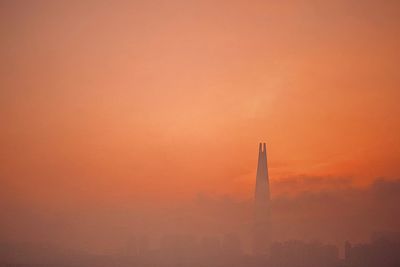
[294,185]
[339,213]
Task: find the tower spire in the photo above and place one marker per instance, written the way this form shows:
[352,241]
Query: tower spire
[262,179]
[262,229]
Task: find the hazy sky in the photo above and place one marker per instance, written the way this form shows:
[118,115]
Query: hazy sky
[117,102]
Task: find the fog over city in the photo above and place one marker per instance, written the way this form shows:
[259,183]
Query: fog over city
[199,133]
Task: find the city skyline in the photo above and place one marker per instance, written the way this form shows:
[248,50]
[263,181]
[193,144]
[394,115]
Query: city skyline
[136,124]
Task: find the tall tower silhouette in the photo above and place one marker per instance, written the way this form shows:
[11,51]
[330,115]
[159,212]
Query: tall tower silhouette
[262,224]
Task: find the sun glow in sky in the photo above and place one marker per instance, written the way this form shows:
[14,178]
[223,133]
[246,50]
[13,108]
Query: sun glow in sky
[104,101]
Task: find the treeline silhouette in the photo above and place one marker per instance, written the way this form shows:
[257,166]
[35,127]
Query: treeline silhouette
[382,250]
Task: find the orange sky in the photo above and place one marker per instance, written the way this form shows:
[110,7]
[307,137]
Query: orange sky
[110,101]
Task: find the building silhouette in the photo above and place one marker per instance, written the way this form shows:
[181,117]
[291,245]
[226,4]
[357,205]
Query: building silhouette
[262,213]
[296,253]
[382,250]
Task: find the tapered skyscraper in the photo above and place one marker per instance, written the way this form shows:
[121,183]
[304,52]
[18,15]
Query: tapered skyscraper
[262,180]
[262,225]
